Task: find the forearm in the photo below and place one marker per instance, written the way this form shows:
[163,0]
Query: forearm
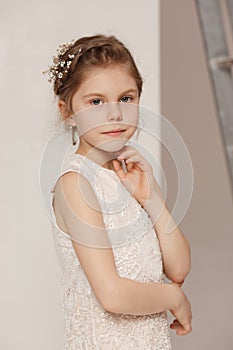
[142,298]
[174,246]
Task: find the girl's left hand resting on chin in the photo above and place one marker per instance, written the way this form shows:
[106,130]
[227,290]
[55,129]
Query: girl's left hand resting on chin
[139,179]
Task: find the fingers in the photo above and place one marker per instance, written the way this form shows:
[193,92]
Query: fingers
[175,324]
[131,166]
[184,330]
[130,155]
[135,157]
[180,329]
[118,169]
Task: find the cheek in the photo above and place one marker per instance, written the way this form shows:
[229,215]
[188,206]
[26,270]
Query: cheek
[88,120]
[91,137]
[131,131]
[88,126]
[131,115]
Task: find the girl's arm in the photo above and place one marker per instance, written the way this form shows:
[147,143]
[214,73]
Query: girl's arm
[174,246]
[78,205]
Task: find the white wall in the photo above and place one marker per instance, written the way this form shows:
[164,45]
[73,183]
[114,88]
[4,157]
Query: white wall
[30,31]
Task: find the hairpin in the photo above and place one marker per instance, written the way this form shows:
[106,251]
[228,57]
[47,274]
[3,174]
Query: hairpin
[60,66]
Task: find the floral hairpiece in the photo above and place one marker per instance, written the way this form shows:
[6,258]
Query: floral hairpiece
[60,67]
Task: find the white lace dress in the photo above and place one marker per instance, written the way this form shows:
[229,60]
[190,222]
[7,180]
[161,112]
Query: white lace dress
[137,256]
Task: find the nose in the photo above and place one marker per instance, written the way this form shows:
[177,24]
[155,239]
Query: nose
[114,112]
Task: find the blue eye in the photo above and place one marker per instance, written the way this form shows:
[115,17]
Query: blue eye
[95,104]
[126,97]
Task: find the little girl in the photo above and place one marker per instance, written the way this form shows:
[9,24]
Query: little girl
[111,242]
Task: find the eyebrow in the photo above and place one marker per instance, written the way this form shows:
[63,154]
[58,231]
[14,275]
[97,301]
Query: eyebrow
[102,95]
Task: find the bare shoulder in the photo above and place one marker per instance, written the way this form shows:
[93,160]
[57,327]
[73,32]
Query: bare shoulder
[63,186]
[74,191]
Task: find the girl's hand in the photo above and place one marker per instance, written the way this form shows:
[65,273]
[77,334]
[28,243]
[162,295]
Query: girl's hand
[139,179]
[183,315]
[178,328]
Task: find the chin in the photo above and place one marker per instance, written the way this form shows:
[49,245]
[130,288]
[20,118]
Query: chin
[113,145]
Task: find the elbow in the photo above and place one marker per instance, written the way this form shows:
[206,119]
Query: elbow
[178,278]
[110,306]
[110,300]
[107,302]
[184,270]
[180,273]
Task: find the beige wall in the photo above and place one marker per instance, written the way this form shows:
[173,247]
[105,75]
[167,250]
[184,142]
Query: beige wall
[30,31]
[187,101]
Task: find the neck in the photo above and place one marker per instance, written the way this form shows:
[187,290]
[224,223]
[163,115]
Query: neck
[101,157]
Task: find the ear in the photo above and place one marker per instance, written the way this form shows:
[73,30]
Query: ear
[66,115]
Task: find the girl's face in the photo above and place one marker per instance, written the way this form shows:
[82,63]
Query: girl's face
[107,100]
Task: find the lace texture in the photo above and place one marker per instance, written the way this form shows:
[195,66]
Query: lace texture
[137,256]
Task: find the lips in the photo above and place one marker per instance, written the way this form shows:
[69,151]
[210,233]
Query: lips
[114,130]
